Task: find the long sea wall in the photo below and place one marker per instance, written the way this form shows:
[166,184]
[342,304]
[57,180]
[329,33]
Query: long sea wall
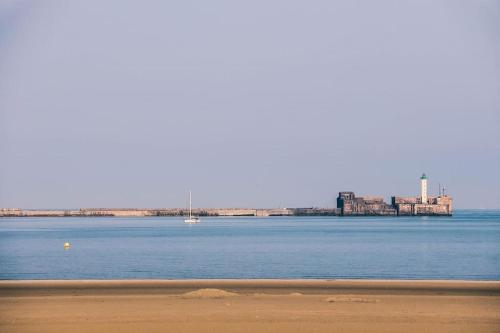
[142,212]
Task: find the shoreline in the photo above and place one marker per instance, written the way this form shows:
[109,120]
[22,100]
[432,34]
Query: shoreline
[266,282]
[249,286]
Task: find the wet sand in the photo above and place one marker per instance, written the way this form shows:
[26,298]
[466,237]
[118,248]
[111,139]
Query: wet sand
[249,306]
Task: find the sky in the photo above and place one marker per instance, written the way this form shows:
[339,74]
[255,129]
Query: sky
[276,103]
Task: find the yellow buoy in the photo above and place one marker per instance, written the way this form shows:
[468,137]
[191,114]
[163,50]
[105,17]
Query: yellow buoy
[66,245]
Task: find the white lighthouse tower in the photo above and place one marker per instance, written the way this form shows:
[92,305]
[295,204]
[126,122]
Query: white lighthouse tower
[423,188]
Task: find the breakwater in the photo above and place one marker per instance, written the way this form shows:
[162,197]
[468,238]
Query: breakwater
[141,212]
[347,205]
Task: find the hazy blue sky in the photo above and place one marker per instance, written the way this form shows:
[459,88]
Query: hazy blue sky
[249,103]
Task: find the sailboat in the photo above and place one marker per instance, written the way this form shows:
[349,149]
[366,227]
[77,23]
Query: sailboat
[191,219]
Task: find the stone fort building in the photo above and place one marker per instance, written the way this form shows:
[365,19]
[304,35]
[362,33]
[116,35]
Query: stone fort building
[348,204]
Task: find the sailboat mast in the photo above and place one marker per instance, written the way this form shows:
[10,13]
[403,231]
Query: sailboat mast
[190,214]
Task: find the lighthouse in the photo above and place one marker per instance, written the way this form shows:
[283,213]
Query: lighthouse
[423,188]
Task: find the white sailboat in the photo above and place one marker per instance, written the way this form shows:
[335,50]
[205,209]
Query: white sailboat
[191,219]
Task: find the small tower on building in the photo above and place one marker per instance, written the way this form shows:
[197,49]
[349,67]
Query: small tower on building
[423,188]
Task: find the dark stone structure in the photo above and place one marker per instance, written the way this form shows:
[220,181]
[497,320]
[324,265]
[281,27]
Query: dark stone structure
[348,204]
[435,206]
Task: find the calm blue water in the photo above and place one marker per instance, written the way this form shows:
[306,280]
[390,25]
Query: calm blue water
[466,246]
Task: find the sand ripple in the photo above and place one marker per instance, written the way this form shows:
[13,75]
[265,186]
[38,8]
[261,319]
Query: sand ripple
[350,299]
[209,293]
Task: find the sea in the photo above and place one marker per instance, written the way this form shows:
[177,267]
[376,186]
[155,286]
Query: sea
[463,247]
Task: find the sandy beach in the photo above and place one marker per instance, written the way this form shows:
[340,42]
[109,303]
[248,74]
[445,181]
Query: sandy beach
[249,306]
